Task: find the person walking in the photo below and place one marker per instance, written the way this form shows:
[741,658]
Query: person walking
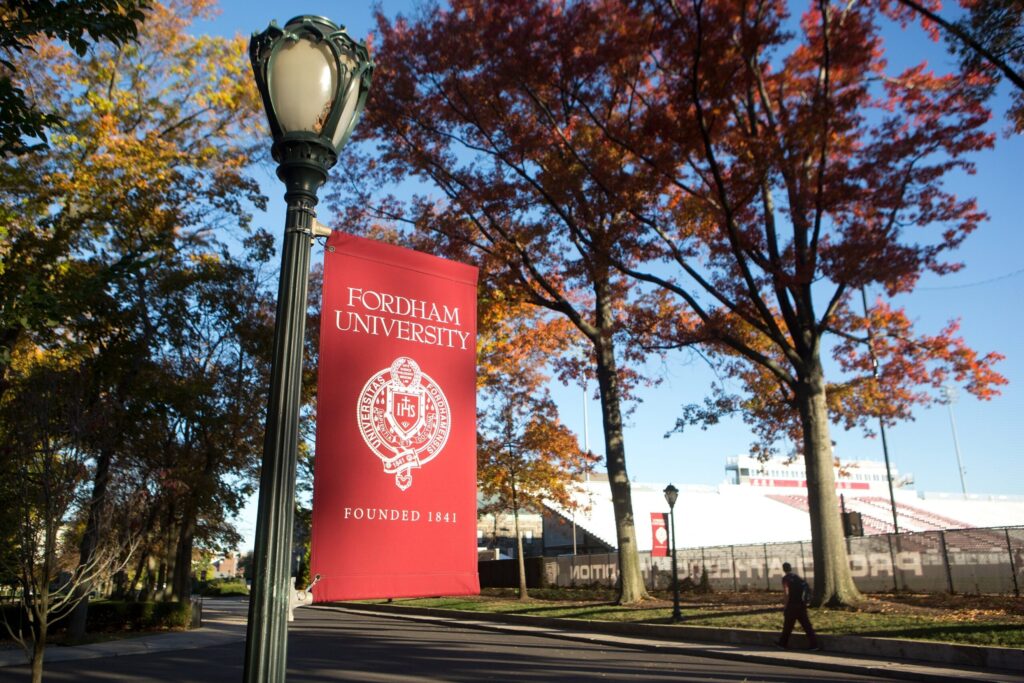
[795,608]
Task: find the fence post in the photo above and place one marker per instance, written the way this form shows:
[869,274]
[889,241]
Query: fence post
[945,560]
[735,580]
[767,583]
[649,582]
[892,558]
[1013,568]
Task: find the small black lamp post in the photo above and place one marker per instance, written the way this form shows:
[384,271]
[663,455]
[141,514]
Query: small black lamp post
[313,79]
[671,495]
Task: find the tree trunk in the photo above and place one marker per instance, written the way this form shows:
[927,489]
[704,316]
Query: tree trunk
[631,582]
[181,578]
[90,541]
[40,609]
[153,581]
[38,652]
[133,593]
[833,583]
[523,595]
[159,580]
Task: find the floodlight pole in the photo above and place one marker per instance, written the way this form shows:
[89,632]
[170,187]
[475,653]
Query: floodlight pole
[949,393]
[881,420]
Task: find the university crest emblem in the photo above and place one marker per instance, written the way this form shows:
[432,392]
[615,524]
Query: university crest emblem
[404,418]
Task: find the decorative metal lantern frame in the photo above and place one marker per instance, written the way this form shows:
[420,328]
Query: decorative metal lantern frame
[314,80]
[671,495]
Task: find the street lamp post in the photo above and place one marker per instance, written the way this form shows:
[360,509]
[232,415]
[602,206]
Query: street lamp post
[671,495]
[313,79]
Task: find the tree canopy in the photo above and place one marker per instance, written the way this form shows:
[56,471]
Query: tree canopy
[713,174]
[128,260]
[78,23]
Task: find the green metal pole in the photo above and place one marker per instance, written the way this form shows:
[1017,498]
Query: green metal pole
[676,614]
[303,167]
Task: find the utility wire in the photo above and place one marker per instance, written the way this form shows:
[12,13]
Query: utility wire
[977,284]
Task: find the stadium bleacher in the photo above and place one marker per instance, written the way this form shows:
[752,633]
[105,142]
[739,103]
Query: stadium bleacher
[743,512]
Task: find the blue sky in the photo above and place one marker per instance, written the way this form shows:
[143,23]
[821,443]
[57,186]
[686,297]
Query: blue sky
[986,297]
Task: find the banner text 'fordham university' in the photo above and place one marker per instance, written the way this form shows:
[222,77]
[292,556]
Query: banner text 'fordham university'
[394,492]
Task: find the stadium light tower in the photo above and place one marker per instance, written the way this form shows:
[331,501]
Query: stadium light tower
[881,420]
[949,396]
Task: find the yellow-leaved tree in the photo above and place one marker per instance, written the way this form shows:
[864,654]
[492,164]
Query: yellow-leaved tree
[525,455]
[122,255]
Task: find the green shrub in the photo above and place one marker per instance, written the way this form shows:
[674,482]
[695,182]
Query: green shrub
[120,615]
[171,615]
[140,614]
[106,615]
[226,587]
[16,617]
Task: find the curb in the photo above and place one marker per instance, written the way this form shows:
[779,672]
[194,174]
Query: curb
[886,657]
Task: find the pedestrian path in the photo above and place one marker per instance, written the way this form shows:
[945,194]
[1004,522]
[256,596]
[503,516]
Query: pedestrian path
[223,622]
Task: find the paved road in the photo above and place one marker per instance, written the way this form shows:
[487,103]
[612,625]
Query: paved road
[328,644]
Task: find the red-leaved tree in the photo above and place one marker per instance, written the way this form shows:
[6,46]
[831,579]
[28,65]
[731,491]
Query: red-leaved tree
[748,172]
[459,105]
[800,169]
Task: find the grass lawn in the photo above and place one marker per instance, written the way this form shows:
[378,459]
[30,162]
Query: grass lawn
[976,620]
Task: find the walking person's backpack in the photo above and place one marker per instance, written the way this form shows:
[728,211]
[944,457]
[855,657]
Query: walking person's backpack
[805,592]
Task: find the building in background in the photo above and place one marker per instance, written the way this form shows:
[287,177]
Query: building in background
[226,566]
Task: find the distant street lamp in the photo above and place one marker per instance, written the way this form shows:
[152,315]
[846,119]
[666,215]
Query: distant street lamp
[671,495]
[313,79]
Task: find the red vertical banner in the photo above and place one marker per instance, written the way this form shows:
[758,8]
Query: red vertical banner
[394,487]
[659,534]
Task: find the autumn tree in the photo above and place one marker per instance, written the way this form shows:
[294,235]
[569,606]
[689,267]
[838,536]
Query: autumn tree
[463,106]
[793,167]
[114,244]
[755,171]
[212,376]
[988,38]
[154,132]
[78,24]
[525,456]
[42,477]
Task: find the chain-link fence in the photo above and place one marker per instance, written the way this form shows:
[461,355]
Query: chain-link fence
[954,561]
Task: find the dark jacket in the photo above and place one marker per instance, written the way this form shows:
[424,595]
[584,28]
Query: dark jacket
[794,586]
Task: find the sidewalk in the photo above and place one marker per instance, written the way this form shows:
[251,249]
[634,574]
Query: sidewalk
[886,661]
[223,622]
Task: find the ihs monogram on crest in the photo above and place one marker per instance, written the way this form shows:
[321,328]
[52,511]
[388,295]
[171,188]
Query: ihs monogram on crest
[404,418]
